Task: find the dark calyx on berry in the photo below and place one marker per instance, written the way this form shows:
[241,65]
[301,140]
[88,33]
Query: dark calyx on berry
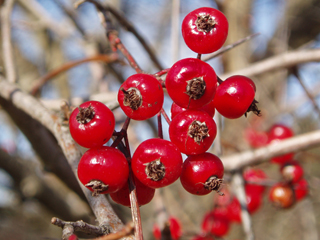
[253,108]
[85,115]
[205,23]
[97,186]
[155,170]
[196,88]
[213,183]
[198,131]
[132,98]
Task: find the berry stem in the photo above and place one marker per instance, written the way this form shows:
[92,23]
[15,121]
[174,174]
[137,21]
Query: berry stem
[160,133]
[199,56]
[162,72]
[219,80]
[164,114]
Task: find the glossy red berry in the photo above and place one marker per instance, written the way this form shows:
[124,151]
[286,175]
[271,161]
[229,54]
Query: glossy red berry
[216,223]
[203,237]
[282,195]
[192,131]
[157,163]
[205,30]
[144,194]
[208,108]
[191,83]
[103,170]
[252,176]
[91,124]
[301,189]
[292,171]
[202,174]
[254,200]
[234,96]
[141,96]
[279,132]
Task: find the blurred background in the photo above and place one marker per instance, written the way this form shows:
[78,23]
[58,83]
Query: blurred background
[47,34]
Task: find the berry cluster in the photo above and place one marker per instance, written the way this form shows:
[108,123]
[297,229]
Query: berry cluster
[293,187]
[196,92]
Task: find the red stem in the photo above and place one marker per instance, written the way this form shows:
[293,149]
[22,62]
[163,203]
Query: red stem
[160,133]
[162,72]
[164,114]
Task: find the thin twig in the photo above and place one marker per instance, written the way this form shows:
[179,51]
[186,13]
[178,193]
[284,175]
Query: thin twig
[295,72]
[81,226]
[238,189]
[164,114]
[129,27]
[160,133]
[9,64]
[101,57]
[125,231]
[229,47]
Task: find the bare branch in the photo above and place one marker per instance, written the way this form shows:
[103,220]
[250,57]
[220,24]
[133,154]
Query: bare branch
[251,157]
[81,226]
[125,231]
[238,189]
[280,61]
[9,65]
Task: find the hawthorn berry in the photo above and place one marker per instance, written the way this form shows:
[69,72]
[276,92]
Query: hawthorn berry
[292,171]
[157,163]
[175,228]
[216,223]
[208,108]
[282,195]
[252,176]
[279,132]
[144,194]
[235,97]
[205,30]
[192,131]
[202,174]
[256,138]
[301,189]
[91,124]
[141,96]
[191,83]
[103,170]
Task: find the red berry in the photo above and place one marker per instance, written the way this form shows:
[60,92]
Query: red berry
[205,30]
[204,237]
[252,176]
[103,170]
[234,96]
[202,174]
[301,189]
[208,108]
[234,210]
[256,138]
[282,195]
[254,200]
[144,194]
[191,83]
[277,133]
[73,237]
[216,224]
[292,171]
[157,163]
[175,228]
[141,96]
[92,124]
[156,232]
[192,131]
